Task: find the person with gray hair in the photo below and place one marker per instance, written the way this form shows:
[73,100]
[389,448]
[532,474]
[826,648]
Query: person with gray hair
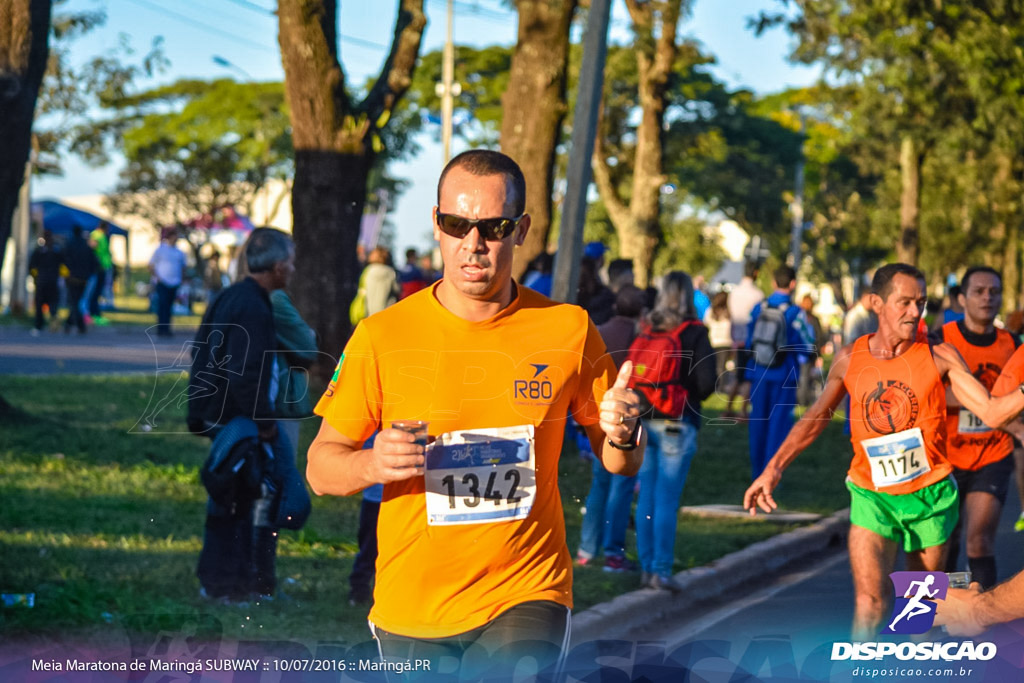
[233,387]
[672,431]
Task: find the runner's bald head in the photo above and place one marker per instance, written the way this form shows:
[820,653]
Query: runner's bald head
[485,162]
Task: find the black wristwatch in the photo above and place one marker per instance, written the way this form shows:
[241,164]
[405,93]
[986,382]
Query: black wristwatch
[634,438]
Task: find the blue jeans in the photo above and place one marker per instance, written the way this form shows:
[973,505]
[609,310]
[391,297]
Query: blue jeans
[164,305]
[607,516]
[670,448]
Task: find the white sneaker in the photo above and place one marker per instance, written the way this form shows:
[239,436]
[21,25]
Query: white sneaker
[34,332]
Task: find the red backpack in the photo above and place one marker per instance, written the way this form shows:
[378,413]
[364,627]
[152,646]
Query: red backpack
[657,370]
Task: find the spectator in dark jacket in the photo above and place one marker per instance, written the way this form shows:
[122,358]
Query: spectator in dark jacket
[234,375]
[44,266]
[594,296]
[81,262]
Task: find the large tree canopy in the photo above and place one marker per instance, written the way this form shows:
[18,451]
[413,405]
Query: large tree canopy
[193,146]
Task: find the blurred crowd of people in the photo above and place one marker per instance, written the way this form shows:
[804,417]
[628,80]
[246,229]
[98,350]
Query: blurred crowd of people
[77,273]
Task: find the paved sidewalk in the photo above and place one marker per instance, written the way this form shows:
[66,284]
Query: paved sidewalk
[630,610]
[102,350]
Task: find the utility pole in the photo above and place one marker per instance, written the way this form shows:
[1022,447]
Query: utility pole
[584,130]
[447,89]
[797,207]
[22,225]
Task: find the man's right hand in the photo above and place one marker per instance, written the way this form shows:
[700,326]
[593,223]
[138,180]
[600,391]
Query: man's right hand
[396,456]
[759,495]
[959,611]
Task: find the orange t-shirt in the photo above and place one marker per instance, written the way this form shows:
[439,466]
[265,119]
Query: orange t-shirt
[971,444]
[889,400]
[530,364]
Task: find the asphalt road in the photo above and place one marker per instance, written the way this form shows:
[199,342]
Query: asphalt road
[783,629]
[113,349]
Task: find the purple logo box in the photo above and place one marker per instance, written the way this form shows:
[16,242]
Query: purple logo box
[913,610]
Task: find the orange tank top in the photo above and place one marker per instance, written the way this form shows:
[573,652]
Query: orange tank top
[972,445]
[897,419]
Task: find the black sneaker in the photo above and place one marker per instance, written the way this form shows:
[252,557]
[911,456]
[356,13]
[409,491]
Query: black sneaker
[618,564]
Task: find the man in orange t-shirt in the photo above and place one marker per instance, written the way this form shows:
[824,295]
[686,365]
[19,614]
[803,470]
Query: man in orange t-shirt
[900,489]
[980,455]
[473,564]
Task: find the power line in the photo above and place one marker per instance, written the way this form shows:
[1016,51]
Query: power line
[198,24]
[341,36]
[487,14]
[254,7]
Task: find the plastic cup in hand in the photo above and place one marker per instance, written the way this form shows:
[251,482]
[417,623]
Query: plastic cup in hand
[417,428]
[959,579]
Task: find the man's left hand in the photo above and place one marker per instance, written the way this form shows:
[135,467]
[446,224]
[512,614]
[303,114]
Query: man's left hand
[620,407]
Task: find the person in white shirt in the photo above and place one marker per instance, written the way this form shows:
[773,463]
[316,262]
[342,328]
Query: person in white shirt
[860,319]
[167,267]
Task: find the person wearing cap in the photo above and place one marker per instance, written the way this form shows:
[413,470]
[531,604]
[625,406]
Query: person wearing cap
[167,268]
[473,570]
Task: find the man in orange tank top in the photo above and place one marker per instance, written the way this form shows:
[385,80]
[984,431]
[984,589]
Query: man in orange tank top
[981,456]
[901,491]
[472,563]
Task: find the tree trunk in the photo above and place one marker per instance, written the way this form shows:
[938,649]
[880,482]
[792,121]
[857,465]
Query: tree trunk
[533,109]
[328,258]
[24,50]
[1004,190]
[1011,269]
[334,140]
[911,160]
[648,176]
[639,225]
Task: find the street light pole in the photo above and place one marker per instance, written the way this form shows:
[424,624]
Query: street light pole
[584,131]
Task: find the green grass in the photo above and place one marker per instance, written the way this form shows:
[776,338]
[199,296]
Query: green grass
[103,522]
[720,473]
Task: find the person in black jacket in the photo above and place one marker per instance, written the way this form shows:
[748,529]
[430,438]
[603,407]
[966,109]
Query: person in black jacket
[81,262]
[44,265]
[233,375]
[672,439]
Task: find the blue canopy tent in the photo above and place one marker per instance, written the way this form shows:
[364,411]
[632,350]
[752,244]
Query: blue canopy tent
[59,219]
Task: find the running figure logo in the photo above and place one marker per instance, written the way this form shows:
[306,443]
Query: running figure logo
[916,593]
[892,407]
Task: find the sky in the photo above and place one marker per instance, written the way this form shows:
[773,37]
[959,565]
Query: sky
[244,34]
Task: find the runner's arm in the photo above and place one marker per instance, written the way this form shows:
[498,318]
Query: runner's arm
[972,394]
[1014,428]
[803,434]
[337,466]
[967,611]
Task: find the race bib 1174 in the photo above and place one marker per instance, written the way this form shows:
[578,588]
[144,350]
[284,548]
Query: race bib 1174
[481,476]
[896,458]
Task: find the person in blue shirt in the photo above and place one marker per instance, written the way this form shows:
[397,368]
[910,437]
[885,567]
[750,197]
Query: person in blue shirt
[773,387]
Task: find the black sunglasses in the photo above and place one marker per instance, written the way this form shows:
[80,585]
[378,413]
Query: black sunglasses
[490,228]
